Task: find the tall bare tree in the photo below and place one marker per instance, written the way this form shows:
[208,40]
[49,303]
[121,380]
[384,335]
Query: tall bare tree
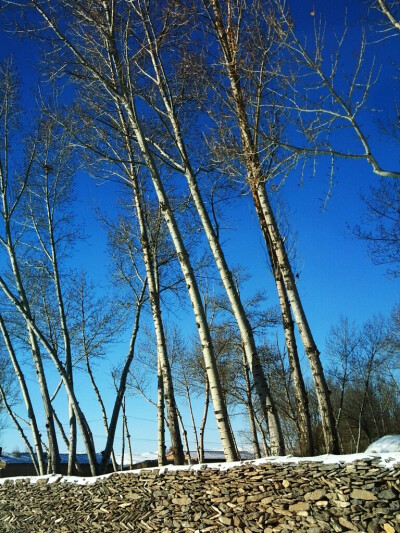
[12,189]
[158,28]
[228,20]
[152,245]
[98,52]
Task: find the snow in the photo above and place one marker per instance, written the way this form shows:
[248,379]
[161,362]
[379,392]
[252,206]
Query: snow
[387,449]
[25,458]
[137,457]
[387,444]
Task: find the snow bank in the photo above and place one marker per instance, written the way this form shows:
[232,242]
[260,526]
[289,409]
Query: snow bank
[387,459]
[387,444]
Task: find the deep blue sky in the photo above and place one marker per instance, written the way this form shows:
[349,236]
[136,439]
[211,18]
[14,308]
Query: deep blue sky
[336,275]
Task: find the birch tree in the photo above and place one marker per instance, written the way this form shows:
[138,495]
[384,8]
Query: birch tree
[126,248]
[51,232]
[228,20]
[95,38]
[156,30]
[12,189]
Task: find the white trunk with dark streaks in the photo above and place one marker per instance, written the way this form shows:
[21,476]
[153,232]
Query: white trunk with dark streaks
[64,328]
[250,409]
[160,417]
[300,393]
[312,352]
[203,421]
[162,355]
[239,313]
[85,431]
[196,439]
[220,410]
[39,460]
[54,456]
[121,388]
[185,438]
[32,454]
[268,223]
[99,399]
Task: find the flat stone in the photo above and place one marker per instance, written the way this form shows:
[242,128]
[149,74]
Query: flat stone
[389,528]
[387,495]
[347,524]
[315,495]
[361,494]
[298,507]
[182,501]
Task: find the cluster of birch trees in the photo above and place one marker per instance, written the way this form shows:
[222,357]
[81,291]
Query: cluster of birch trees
[182,105]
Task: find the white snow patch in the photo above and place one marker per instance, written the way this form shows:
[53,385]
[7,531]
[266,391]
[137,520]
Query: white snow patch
[387,459]
[387,444]
[136,457]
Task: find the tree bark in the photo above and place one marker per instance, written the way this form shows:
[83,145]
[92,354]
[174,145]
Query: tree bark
[162,460]
[250,408]
[203,421]
[268,223]
[270,229]
[246,332]
[300,393]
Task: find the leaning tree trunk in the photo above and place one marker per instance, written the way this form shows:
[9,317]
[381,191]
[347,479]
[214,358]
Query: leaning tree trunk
[54,456]
[203,421]
[39,459]
[269,225]
[192,287]
[98,396]
[190,406]
[250,408]
[300,393]
[150,263]
[85,431]
[246,332]
[65,334]
[217,396]
[162,460]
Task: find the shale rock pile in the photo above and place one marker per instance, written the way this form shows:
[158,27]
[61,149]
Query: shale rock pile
[306,497]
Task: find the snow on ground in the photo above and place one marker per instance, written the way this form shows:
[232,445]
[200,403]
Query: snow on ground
[137,457]
[388,457]
[387,444]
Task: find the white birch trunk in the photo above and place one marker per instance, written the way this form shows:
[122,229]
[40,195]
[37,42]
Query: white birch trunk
[162,460]
[150,263]
[321,388]
[196,439]
[54,456]
[300,393]
[250,409]
[99,399]
[85,431]
[20,430]
[204,421]
[39,461]
[220,410]
[270,227]
[239,313]
[64,327]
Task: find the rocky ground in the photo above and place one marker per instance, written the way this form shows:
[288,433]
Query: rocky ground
[304,497]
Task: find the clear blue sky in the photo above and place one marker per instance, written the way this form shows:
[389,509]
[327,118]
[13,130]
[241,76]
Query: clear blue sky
[336,275]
